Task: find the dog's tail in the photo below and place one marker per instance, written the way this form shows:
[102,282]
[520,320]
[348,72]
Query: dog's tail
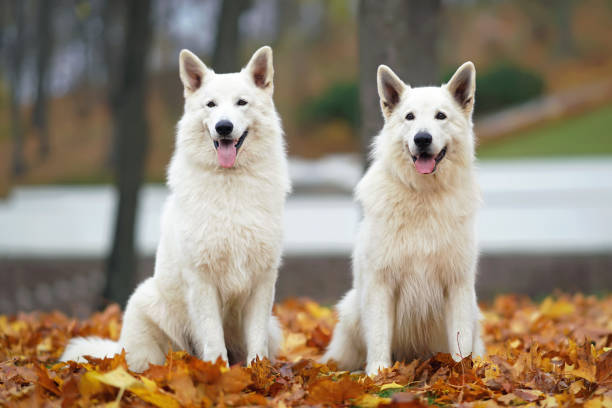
[89,346]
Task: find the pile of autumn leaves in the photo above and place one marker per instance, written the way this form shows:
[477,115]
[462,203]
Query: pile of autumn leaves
[556,353]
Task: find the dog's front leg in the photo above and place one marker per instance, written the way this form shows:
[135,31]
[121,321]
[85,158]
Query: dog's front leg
[377,325]
[460,320]
[206,320]
[257,319]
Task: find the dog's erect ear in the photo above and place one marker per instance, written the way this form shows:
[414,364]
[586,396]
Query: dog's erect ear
[192,71]
[260,68]
[462,86]
[390,89]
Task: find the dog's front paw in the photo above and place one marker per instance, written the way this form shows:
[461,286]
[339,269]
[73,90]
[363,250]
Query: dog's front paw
[461,344]
[213,354]
[373,367]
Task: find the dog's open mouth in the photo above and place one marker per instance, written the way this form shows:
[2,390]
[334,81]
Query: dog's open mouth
[227,149]
[426,163]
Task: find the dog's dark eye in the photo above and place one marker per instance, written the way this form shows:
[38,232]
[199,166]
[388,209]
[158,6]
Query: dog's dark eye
[440,116]
[410,116]
[242,102]
[211,104]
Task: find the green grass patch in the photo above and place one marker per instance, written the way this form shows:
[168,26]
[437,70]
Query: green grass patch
[584,135]
[388,393]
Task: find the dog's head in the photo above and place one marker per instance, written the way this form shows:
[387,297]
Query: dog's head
[223,110]
[429,124]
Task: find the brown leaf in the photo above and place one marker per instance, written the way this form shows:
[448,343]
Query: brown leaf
[235,380]
[604,368]
[330,392]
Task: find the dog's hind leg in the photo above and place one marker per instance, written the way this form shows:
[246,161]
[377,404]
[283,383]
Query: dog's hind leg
[346,347]
[143,339]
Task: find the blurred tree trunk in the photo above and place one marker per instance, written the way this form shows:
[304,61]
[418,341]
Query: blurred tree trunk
[226,57]
[112,37]
[16,61]
[131,129]
[402,34]
[44,46]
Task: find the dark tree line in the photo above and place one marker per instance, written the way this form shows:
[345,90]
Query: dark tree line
[15,53]
[19,34]
[44,50]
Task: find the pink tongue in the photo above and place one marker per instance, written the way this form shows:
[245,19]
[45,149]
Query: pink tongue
[425,165]
[226,154]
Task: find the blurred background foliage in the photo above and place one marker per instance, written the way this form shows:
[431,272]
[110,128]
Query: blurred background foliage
[522,50]
[503,85]
[90,93]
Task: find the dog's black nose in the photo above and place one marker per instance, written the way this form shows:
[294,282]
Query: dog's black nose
[422,140]
[224,127]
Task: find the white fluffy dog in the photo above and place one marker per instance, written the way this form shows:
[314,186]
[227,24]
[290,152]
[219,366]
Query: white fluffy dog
[221,229]
[414,263]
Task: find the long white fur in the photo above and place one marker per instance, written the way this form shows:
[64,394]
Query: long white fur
[414,262]
[90,346]
[221,230]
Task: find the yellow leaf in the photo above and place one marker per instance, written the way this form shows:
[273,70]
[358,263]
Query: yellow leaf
[586,371]
[89,384]
[549,402]
[317,311]
[149,384]
[18,326]
[44,346]
[370,401]
[156,398]
[4,325]
[576,387]
[554,309]
[114,329]
[146,389]
[294,340]
[118,378]
[391,385]
[599,402]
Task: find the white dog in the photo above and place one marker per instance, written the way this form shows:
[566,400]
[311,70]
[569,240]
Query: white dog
[221,229]
[414,263]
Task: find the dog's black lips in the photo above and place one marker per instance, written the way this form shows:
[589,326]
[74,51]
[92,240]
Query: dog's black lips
[441,155]
[237,145]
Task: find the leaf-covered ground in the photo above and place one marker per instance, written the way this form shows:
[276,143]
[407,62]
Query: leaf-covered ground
[556,353]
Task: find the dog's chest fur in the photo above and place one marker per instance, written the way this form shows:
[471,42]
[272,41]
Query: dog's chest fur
[229,224]
[415,234]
